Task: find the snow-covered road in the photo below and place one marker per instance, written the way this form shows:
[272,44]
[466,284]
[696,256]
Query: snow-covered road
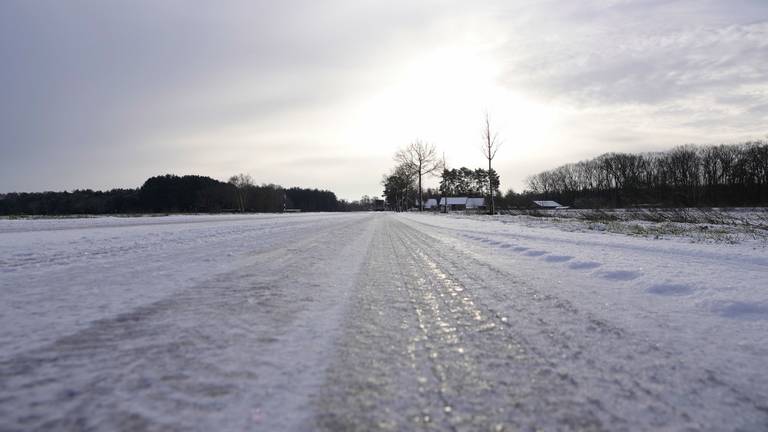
[375,321]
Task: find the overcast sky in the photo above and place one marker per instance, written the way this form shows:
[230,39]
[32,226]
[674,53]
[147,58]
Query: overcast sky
[101,94]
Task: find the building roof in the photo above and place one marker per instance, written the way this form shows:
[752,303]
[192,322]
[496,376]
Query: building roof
[547,204]
[469,202]
[454,200]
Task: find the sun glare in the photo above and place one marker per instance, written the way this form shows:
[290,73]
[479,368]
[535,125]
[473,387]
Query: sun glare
[442,98]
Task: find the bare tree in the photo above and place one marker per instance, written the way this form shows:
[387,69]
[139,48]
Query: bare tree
[421,159]
[242,182]
[490,146]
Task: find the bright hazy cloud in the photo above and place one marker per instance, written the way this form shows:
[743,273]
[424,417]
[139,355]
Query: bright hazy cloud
[102,94]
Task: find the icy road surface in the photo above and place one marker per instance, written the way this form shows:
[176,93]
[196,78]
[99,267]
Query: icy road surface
[375,322]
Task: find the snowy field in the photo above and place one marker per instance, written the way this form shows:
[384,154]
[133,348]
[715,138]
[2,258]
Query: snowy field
[378,322]
[747,225]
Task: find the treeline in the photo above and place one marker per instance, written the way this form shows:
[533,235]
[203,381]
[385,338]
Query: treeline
[691,176]
[173,194]
[468,182]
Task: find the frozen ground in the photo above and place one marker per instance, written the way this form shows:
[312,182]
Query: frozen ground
[700,225]
[375,321]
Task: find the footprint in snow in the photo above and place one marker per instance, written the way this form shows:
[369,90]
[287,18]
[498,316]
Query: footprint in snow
[520,249]
[535,253]
[584,265]
[505,245]
[557,258]
[748,311]
[670,289]
[619,275]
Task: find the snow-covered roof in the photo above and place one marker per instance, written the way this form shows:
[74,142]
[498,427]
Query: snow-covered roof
[547,204]
[454,200]
[469,202]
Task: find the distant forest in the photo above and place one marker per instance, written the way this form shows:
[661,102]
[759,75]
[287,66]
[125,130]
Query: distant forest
[691,176]
[686,176]
[176,194]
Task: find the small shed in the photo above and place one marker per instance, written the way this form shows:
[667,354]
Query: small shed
[430,204]
[549,204]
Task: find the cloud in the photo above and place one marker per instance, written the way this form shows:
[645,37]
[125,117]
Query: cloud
[106,87]
[641,75]
[641,58]
[105,94]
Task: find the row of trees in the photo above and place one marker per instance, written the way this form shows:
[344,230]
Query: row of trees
[722,175]
[467,182]
[170,194]
[404,184]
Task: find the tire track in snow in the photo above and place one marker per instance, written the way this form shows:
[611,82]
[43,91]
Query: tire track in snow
[516,385]
[633,380]
[418,325]
[241,351]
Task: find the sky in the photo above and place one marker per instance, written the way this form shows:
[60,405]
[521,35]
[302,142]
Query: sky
[103,94]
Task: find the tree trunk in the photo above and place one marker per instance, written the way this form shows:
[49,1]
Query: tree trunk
[421,199]
[490,188]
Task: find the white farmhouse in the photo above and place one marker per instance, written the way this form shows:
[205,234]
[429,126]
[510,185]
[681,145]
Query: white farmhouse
[462,203]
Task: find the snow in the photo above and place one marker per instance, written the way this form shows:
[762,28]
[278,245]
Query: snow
[747,226]
[360,321]
[714,296]
[706,304]
[60,274]
[176,319]
[709,275]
